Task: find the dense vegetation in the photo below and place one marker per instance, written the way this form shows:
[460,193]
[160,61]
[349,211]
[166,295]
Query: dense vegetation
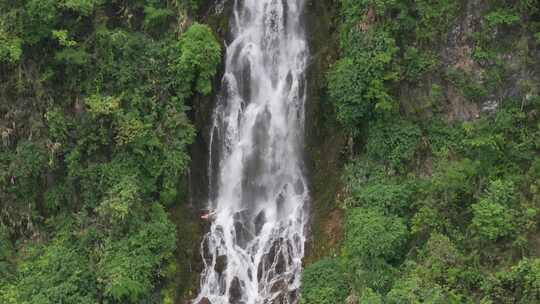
[442,199]
[94,97]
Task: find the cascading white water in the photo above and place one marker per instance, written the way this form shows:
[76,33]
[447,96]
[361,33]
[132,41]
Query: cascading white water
[253,252]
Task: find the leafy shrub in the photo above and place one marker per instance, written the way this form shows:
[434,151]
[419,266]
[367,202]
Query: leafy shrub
[390,198]
[6,252]
[200,54]
[361,171]
[413,290]
[357,83]
[501,17]
[519,284]
[436,16]
[369,296]
[192,5]
[393,143]
[102,105]
[56,198]
[10,48]
[471,88]
[156,19]
[128,265]
[451,187]
[324,283]
[353,9]
[58,126]
[40,17]
[444,139]
[371,234]
[454,180]
[83,7]
[493,218]
[439,260]
[417,63]
[55,273]
[119,201]
[372,241]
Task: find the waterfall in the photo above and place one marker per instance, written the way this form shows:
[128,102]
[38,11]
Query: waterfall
[258,192]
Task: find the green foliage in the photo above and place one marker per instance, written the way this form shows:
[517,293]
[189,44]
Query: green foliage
[451,188]
[428,159]
[471,88]
[200,55]
[57,125]
[102,106]
[192,5]
[6,253]
[443,138]
[432,280]
[122,197]
[63,39]
[357,82]
[501,17]
[56,273]
[75,266]
[371,187]
[417,63]
[353,8]
[10,47]
[476,207]
[370,297]
[156,18]
[393,143]
[324,283]
[40,17]
[519,284]
[83,7]
[492,220]
[412,290]
[128,265]
[371,234]
[492,217]
[436,16]
[95,135]
[440,261]
[372,242]
[391,198]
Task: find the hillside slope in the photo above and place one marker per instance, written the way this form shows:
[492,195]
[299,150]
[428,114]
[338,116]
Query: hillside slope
[440,191]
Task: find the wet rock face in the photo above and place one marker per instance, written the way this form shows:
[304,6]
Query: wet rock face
[207,255]
[242,233]
[204,301]
[281,264]
[282,294]
[235,292]
[221,264]
[259,222]
[280,289]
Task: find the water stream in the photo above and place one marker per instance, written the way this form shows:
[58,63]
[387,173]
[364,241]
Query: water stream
[258,192]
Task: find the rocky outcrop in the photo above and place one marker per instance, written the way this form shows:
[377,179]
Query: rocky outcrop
[325,141]
[456,53]
[204,301]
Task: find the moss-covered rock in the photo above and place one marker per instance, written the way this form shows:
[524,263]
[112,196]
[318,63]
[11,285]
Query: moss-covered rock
[326,142]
